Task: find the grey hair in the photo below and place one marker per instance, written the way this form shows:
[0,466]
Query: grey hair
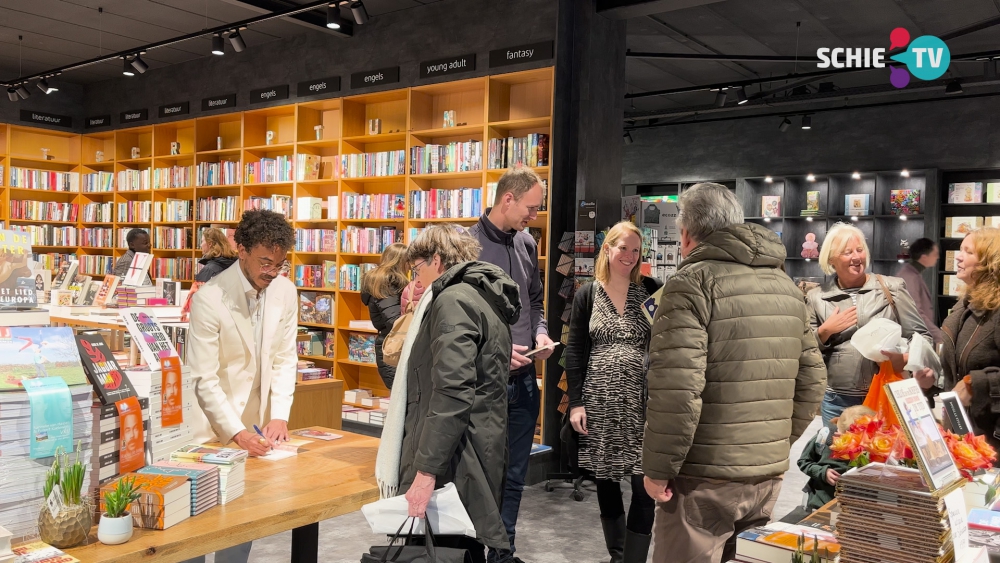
[707,207]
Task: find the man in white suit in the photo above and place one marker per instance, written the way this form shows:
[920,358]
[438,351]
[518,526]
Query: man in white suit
[241,349]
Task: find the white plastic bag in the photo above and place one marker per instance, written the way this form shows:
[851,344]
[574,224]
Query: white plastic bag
[445,511]
[877,335]
[922,355]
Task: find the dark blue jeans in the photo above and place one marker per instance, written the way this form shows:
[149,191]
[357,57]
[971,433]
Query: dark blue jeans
[835,403]
[522,416]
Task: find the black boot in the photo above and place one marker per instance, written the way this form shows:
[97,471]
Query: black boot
[614,536]
[636,547]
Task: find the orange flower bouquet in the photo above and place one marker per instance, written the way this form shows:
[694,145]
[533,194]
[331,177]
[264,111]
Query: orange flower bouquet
[972,454]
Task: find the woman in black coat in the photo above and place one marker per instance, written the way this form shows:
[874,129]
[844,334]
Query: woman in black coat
[217,254]
[380,292]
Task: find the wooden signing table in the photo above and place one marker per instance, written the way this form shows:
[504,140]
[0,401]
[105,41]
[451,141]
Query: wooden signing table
[326,479]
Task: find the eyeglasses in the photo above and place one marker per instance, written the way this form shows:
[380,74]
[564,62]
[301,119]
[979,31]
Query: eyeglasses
[416,266]
[279,270]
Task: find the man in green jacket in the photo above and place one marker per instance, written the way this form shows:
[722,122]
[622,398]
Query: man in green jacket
[735,377]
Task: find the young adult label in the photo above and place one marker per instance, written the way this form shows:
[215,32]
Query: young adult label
[134,115]
[98,121]
[448,66]
[180,108]
[521,54]
[46,118]
[375,77]
[269,94]
[318,86]
[225,101]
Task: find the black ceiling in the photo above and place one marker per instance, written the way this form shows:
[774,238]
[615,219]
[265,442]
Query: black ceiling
[768,27]
[59,32]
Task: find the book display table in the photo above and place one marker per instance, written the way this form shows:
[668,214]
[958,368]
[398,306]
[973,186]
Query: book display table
[324,480]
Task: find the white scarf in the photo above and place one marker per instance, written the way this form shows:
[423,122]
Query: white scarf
[390,448]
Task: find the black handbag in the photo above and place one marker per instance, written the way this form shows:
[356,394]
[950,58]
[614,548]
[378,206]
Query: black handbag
[427,553]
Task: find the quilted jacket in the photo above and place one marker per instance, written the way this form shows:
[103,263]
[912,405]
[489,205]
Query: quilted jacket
[735,375]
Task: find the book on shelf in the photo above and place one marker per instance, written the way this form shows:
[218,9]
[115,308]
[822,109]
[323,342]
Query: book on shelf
[136,274]
[332,207]
[43,210]
[952,286]
[904,202]
[993,192]
[361,348]
[98,212]
[110,382]
[446,204]
[173,268]
[958,227]
[373,206]
[362,324]
[98,182]
[96,264]
[221,208]
[951,261]
[307,167]
[992,221]
[172,211]
[531,150]
[770,206]
[453,157]
[965,192]
[315,240]
[277,203]
[171,238]
[134,180]
[267,170]
[313,374]
[222,173]
[857,204]
[369,165]
[330,274]
[308,275]
[368,240]
[812,203]
[315,346]
[352,275]
[173,177]
[97,237]
[47,180]
[308,208]
[48,235]
[316,308]
[135,212]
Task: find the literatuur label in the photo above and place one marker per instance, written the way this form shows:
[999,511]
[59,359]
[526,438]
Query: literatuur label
[521,54]
[269,94]
[134,115]
[46,118]
[319,86]
[375,77]
[224,101]
[448,66]
[180,108]
[98,121]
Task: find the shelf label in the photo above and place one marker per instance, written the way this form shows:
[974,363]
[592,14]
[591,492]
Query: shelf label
[319,86]
[180,108]
[521,54]
[46,118]
[448,66]
[134,115]
[98,121]
[375,77]
[269,94]
[225,101]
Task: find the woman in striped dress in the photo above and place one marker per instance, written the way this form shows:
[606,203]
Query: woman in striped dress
[606,353]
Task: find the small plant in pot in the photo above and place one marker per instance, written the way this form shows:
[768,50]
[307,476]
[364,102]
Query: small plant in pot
[115,526]
[66,517]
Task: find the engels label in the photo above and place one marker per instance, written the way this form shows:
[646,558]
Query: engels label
[318,86]
[449,65]
[521,54]
[375,77]
[269,94]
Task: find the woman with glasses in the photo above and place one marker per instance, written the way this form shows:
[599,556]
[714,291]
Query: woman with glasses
[381,290]
[847,302]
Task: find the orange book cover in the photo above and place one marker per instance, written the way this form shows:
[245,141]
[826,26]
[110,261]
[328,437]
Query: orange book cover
[163,500]
[790,540]
[170,368]
[132,453]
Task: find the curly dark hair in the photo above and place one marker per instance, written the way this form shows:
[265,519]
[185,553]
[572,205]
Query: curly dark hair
[264,228]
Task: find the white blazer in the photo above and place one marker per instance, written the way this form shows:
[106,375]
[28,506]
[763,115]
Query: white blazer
[221,353]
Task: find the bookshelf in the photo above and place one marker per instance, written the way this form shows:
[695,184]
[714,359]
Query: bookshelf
[202,163]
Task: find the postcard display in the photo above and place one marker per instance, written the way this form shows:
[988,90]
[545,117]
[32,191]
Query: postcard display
[660,238]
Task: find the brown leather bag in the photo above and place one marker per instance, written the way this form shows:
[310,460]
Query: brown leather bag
[392,346]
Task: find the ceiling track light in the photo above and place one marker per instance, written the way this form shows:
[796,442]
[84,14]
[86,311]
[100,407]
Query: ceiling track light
[43,85]
[785,124]
[22,91]
[720,99]
[12,94]
[237,40]
[741,96]
[218,45]
[807,122]
[127,70]
[333,19]
[360,13]
[628,138]
[139,64]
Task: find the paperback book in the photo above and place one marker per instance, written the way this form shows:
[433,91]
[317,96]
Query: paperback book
[958,227]
[107,377]
[148,335]
[965,192]
[857,204]
[770,206]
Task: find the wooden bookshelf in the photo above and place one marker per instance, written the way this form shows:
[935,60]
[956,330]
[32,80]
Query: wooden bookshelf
[489,107]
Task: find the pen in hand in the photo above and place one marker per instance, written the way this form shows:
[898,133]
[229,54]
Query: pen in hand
[262,436]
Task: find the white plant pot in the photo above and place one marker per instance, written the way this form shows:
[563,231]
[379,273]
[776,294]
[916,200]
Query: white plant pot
[113,531]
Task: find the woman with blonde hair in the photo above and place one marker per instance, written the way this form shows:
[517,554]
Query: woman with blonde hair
[971,353]
[842,305]
[217,254]
[381,290]
[605,370]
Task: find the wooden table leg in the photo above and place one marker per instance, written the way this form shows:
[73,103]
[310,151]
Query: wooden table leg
[305,544]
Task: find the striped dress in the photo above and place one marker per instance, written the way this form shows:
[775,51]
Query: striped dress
[614,390]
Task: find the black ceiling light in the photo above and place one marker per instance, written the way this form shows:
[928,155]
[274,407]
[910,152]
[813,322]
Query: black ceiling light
[237,40]
[720,99]
[360,13]
[807,122]
[953,87]
[628,138]
[22,91]
[139,64]
[43,85]
[127,71]
[333,19]
[785,124]
[741,96]
[12,94]
[218,45]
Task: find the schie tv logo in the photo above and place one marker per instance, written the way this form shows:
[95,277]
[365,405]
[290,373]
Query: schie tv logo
[926,57]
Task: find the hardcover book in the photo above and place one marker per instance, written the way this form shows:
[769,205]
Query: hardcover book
[770,206]
[67,272]
[361,348]
[147,333]
[106,292]
[904,202]
[330,273]
[929,448]
[993,192]
[965,192]
[812,202]
[950,261]
[993,221]
[31,353]
[137,270]
[857,204]
[107,377]
[958,227]
[164,500]
[209,454]
[91,294]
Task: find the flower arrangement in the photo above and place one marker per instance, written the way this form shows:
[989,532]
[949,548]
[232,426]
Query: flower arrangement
[871,439]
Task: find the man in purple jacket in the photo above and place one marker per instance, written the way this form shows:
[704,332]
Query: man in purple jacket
[923,254]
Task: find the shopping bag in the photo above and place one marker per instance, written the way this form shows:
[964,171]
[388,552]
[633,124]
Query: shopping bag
[877,398]
[445,512]
[398,552]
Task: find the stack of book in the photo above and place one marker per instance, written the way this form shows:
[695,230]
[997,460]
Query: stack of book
[779,541]
[162,441]
[231,463]
[108,439]
[134,296]
[164,500]
[204,482]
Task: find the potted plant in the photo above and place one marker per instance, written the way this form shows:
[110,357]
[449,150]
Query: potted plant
[66,516]
[115,526]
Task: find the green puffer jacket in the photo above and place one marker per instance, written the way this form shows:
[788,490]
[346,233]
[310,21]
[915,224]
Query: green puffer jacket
[456,403]
[735,375]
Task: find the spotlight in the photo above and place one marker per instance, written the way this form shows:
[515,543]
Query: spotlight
[12,94]
[43,85]
[854,218]
[904,173]
[808,220]
[785,124]
[333,19]
[807,122]
[768,179]
[811,178]
[741,96]
[953,87]
[139,64]
[360,13]
[218,45]
[22,91]
[856,176]
[628,138]
[902,217]
[720,99]
[237,40]
[127,71]
[767,219]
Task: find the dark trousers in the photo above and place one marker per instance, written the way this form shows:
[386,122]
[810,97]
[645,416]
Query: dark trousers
[641,512]
[522,416]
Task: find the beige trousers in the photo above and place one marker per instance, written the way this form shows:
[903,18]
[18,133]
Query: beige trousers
[700,523]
